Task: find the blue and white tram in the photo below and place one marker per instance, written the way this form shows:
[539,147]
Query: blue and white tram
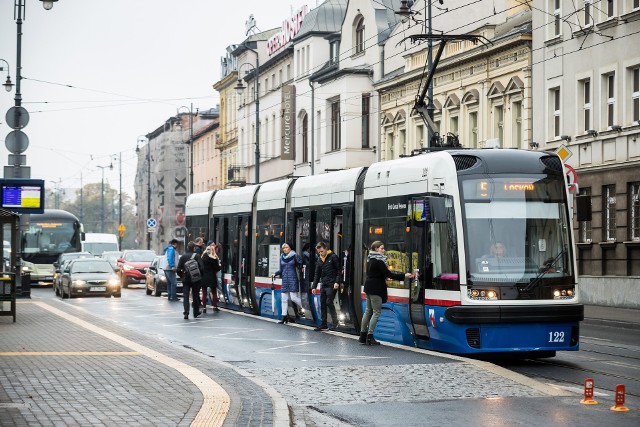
[439,215]
[198,215]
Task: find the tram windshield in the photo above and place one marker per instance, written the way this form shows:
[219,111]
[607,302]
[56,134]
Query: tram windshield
[517,228]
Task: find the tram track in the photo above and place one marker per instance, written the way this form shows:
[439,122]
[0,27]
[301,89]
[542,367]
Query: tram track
[595,357]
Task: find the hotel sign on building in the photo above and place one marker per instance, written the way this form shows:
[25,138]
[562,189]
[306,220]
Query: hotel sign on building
[287,145]
[290,28]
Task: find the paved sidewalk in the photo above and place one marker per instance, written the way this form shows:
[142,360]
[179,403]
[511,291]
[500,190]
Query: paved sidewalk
[60,366]
[57,371]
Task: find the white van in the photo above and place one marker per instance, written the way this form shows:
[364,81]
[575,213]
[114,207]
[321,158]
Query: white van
[97,243]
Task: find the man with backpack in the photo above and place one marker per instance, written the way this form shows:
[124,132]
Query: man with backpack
[190,269]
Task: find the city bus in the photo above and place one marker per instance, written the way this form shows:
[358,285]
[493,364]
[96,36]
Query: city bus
[43,237]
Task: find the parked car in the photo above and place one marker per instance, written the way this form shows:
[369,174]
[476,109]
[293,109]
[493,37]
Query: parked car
[89,276]
[156,280]
[59,264]
[132,266]
[112,257]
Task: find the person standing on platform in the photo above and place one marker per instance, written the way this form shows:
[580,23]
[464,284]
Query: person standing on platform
[170,272]
[211,264]
[290,267]
[190,285]
[375,286]
[327,280]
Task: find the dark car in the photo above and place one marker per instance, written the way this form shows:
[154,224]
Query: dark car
[89,276]
[112,257]
[59,264]
[156,279]
[132,266]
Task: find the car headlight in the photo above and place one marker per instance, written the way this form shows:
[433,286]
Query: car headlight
[163,278]
[26,269]
[113,281]
[127,267]
[79,283]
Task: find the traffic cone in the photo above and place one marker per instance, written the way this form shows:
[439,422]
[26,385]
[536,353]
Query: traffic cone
[619,406]
[588,392]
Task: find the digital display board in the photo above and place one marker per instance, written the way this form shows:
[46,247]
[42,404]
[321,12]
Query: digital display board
[22,195]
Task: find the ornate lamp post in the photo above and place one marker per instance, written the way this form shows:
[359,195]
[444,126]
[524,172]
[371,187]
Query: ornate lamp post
[240,88]
[8,85]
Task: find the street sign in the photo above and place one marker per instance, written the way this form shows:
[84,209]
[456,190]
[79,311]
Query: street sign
[151,230]
[152,223]
[572,176]
[564,153]
[17,117]
[16,141]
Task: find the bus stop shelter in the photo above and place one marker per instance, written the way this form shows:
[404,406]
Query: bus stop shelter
[9,231]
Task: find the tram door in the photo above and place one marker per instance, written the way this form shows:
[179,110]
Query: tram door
[244,260]
[337,248]
[305,241]
[417,246]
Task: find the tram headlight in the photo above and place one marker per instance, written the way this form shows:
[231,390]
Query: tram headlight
[563,293]
[482,294]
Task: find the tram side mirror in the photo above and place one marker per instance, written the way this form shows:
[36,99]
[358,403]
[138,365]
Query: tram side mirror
[436,210]
[583,208]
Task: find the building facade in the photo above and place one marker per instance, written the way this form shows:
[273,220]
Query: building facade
[587,84]
[231,172]
[207,174]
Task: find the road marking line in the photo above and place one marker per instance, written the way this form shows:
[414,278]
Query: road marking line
[69,353]
[216,401]
[578,390]
[289,346]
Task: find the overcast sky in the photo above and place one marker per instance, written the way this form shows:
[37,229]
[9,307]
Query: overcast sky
[131,64]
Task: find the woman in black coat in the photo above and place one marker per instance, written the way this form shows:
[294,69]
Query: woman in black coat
[375,287]
[210,277]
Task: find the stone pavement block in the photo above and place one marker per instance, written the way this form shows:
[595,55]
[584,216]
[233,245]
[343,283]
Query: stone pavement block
[102,389]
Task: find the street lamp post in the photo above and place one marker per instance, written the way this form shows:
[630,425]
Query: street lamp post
[240,88]
[110,166]
[17,161]
[148,161]
[8,84]
[190,145]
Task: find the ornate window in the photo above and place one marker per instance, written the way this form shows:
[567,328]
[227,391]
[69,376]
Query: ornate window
[359,35]
[335,125]
[609,212]
[634,211]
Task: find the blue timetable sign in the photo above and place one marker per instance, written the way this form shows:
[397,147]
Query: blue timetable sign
[22,195]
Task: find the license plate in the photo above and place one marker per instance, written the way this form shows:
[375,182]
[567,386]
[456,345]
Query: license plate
[97,289]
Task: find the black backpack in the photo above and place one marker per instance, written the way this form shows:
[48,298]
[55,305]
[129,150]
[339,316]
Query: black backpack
[192,269]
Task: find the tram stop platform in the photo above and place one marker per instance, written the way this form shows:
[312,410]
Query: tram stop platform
[60,366]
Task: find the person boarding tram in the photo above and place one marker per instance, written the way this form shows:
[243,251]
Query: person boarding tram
[290,265]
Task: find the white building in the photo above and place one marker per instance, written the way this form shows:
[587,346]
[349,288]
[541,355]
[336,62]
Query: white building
[586,78]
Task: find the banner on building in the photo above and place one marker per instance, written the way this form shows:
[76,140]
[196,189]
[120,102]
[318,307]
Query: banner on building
[288,142]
